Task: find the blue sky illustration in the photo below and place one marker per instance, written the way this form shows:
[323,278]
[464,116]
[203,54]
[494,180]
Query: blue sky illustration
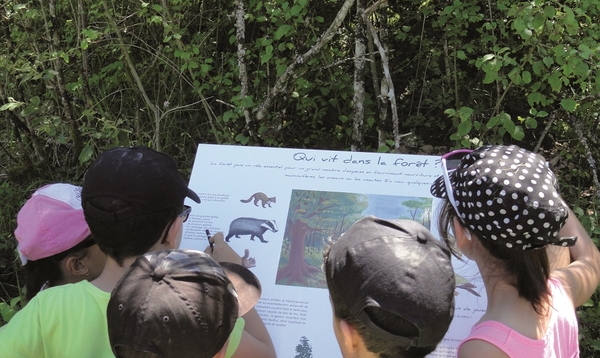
[388,207]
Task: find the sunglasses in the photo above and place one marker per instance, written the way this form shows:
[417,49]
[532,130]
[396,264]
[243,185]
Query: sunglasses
[450,163]
[185,213]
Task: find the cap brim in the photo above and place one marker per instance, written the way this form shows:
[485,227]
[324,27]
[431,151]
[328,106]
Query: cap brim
[192,195]
[438,188]
[246,284]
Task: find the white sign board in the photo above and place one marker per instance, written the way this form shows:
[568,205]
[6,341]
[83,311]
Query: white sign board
[281,207]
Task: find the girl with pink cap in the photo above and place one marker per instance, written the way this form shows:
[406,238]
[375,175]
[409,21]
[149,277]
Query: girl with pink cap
[55,243]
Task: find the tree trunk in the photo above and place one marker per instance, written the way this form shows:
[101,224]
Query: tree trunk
[297,270]
[60,83]
[360,36]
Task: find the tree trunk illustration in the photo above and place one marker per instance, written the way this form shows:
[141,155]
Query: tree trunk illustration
[297,270]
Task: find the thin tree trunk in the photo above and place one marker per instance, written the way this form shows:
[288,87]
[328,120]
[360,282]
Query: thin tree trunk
[290,72]
[391,92]
[85,67]
[240,35]
[151,107]
[359,76]
[60,81]
[209,113]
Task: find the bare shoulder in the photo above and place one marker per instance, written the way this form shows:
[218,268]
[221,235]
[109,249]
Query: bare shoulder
[479,348]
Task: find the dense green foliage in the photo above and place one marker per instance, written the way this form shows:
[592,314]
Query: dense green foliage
[79,76]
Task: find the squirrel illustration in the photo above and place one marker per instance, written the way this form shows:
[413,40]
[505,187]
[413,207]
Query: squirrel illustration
[262,197]
[247,261]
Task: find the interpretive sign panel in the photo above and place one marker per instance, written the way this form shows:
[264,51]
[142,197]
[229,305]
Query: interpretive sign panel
[279,208]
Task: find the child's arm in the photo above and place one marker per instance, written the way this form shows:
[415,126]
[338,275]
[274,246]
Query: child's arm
[256,340]
[582,276]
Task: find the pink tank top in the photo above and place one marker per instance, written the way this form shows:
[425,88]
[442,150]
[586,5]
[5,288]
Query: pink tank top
[560,340]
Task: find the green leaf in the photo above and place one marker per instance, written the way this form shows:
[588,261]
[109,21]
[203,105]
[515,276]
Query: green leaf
[461,55]
[282,31]
[526,76]
[86,154]
[507,122]
[490,77]
[464,127]
[548,61]
[531,123]
[555,81]
[247,102]
[11,106]
[518,25]
[538,21]
[265,58]
[29,110]
[451,112]
[549,11]
[493,122]
[242,138]
[488,57]
[465,113]
[581,69]
[518,133]
[568,104]
[295,11]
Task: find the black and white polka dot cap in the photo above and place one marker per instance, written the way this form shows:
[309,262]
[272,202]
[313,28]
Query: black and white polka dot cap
[508,195]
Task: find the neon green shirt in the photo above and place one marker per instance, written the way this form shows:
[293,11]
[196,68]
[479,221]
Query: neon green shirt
[69,321]
[63,322]
[235,337]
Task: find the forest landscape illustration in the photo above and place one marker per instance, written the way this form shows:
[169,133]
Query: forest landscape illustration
[317,218]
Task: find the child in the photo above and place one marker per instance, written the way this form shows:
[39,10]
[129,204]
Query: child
[178,303]
[391,286]
[132,200]
[503,205]
[55,243]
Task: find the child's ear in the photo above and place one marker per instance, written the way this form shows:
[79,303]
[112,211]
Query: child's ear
[75,266]
[350,337]
[174,234]
[461,233]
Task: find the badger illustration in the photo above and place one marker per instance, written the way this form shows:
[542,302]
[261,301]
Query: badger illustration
[250,226]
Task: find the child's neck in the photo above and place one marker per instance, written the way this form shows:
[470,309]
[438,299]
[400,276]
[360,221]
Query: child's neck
[506,306]
[112,273]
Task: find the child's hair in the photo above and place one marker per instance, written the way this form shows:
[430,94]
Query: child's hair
[46,272]
[129,237]
[527,271]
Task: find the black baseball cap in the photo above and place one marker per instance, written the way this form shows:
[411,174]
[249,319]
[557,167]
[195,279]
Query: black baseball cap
[146,179]
[397,266]
[179,303]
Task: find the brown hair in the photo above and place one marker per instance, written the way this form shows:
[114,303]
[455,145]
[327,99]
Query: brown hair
[527,271]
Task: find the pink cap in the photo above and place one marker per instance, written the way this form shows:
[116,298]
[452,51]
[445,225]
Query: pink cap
[51,222]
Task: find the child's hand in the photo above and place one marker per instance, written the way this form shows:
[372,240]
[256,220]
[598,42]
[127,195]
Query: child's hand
[222,252]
